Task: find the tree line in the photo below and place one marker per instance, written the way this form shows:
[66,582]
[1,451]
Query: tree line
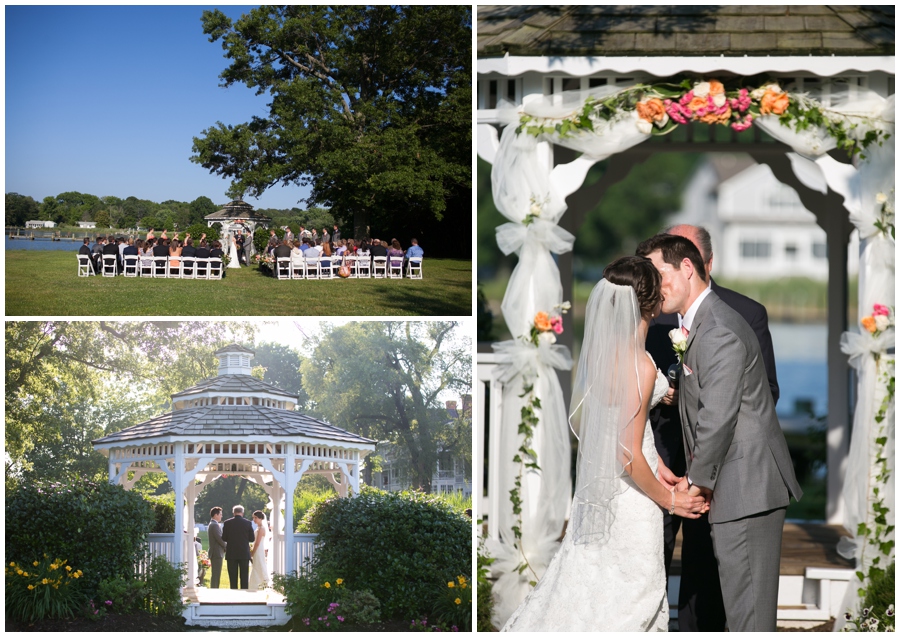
[69,383]
[109,212]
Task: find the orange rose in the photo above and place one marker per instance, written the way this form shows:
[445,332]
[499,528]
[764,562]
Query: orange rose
[714,118]
[542,322]
[698,103]
[652,110]
[716,87]
[868,322]
[775,103]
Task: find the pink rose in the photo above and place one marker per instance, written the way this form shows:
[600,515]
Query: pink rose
[881,310]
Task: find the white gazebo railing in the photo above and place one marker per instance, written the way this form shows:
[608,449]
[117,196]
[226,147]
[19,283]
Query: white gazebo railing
[158,544]
[305,547]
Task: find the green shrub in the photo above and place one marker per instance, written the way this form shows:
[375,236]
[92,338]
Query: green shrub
[359,607]
[42,589]
[305,596]
[163,511]
[400,546]
[125,595]
[261,237]
[880,592]
[163,587]
[99,528]
[485,598]
[196,231]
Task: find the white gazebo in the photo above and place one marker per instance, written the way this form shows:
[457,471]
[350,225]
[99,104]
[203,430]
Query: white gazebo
[235,424]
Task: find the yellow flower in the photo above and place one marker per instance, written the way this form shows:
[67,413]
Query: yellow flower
[463,585]
[19,571]
[450,584]
[13,564]
[327,585]
[44,581]
[68,568]
[35,563]
[31,587]
[53,567]
[462,579]
[25,574]
[45,555]
[56,586]
[340,581]
[458,600]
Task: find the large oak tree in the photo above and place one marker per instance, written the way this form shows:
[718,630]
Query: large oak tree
[371,108]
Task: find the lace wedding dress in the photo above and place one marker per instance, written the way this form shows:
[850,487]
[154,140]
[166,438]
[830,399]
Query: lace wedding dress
[617,586]
[259,570]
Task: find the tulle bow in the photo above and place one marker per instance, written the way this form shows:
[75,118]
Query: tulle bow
[857,346]
[513,235]
[517,357]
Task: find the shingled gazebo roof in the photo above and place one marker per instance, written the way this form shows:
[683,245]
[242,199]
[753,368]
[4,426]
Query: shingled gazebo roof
[237,210]
[675,30]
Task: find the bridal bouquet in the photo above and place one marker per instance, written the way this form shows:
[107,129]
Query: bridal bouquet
[203,559]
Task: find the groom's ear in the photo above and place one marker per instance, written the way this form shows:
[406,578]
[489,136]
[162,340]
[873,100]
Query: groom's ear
[688,266]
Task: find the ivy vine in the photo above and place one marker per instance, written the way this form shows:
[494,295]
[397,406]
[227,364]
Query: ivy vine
[526,459]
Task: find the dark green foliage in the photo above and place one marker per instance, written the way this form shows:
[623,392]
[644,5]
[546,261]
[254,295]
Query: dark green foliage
[485,318]
[305,595]
[126,595]
[880,592]
[358,607]
[485,599]
[370,107]
[197,230]
[164,512]
[226,492]
[20,209]
[163,587]
[71,521]
[400,545]
[261,238]
[45,588]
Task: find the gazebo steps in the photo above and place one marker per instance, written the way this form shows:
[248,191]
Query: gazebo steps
[227,608]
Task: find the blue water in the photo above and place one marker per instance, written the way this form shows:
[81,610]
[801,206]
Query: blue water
[40,244]
[802,366]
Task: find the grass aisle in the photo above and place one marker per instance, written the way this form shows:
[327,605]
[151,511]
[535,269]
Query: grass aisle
[47,284]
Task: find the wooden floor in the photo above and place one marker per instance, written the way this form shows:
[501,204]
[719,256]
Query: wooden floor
[802,546]
[227,596]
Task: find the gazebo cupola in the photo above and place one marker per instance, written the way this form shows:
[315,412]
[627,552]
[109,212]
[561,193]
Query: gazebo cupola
[236,424]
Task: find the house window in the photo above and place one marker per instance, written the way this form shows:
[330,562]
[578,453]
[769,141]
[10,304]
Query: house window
[790,251]
[756,249]
[820,250]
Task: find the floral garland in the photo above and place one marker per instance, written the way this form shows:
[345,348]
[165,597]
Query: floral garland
[878,537]
[658,108]
[885,221]
[544,327]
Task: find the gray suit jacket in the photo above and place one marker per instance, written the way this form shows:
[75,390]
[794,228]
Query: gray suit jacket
[216,543]
[732,439]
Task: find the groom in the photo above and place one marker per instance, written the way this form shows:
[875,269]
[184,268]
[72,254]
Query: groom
[238,533]
[735,450]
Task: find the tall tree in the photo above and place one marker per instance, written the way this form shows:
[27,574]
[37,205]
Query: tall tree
[281,367]
[67,381]
[20,208]
[386,380]
[371,107]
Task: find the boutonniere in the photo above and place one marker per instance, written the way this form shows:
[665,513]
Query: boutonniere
[679,343]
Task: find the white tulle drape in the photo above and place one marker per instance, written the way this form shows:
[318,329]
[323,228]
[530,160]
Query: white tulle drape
[521,176]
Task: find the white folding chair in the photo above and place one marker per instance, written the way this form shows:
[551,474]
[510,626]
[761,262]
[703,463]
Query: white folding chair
[312,267]
[109,264]
[351,262]
[188,267]
[173,269]
[146,265]
[201,268]
[326,267]
[130,266]
[414,268]
[160,267]
[215,268]
[298,267]
[363,267]
[283,268]
[395,267]
[379,267]
[85,266]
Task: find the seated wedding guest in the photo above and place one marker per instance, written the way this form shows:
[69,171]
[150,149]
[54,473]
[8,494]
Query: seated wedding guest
[379,249]
[97,251]
[112,248]
[311,251]
[85,249]
[297,248]
[130,248]
[340,249]
[394,252]
[189,250]
[202,250]
[160,247]
[282,250]
[326,252]
[363,249]
[174,251]
[414,250]
[121,244]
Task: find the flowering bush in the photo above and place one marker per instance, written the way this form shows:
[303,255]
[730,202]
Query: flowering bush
[453,604]
[119,595]
[42,589]
[328,604]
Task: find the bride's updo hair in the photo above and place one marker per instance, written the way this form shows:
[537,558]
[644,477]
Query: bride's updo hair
[259,515]
[640,274]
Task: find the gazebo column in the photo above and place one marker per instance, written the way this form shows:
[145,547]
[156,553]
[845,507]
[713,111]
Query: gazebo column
[290,483]
[177,478]
[191,493]
[277,533]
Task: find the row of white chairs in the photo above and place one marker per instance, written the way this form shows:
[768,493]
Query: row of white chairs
[360,267]
[156,267]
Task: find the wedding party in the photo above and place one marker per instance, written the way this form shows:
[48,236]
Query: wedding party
[686,319]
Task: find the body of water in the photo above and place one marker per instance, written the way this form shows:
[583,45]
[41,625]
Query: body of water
[43,244]
[802,366]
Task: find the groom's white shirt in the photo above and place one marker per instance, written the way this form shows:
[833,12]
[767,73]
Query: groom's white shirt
[688,319]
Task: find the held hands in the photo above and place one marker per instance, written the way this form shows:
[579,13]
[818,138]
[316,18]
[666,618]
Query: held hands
[671,397]
[689,506]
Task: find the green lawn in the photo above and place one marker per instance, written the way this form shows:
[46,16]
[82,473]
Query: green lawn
[42,283]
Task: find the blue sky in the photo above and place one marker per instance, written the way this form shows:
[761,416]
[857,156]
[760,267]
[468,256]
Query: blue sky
[107,100]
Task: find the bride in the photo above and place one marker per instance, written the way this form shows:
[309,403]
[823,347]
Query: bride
[259,570]
[608,574]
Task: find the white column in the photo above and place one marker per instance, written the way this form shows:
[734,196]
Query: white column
[290,483]
[177,476]
[277,533]
[191,493]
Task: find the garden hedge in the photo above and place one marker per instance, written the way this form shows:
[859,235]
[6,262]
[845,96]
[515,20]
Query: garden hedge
[100,529]
[404,547]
